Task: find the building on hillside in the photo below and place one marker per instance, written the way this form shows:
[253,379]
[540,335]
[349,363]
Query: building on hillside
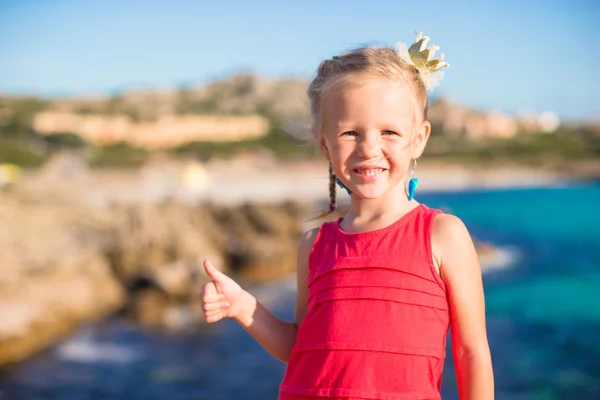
[165,132]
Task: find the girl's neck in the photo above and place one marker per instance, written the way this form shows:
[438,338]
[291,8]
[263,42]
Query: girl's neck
[374,213]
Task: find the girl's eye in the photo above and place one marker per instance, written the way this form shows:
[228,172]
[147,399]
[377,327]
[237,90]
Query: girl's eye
[354,133]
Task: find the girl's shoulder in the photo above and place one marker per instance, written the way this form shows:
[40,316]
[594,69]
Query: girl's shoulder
[311,236]
[451,242]
[443,225]
[449,228]
[308,238]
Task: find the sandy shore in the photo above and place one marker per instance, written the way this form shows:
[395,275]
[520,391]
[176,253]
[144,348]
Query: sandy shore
[234,182]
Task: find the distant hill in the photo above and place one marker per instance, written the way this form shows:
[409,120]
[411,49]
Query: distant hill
[247,111]
[237,95]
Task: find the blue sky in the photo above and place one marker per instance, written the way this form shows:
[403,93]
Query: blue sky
[511,55]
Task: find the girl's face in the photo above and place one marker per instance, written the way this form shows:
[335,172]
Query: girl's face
[369,135]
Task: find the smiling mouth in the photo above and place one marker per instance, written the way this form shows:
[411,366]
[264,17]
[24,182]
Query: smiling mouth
[370,171]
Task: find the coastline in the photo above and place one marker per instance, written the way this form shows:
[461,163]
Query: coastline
[254,179]
[83,217]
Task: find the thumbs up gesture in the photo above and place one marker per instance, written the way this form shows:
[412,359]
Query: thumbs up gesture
[222,297]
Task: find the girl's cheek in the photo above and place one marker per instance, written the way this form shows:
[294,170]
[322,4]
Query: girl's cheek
[344,146]
[399,146]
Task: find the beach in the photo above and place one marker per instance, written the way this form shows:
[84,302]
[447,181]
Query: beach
[125,246]
[541,325]
[255,179]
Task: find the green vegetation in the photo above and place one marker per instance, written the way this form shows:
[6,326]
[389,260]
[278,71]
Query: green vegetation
[117,155]
[20,152]
[550,150]
[245,94]
[60,141]
[16,116]
[276,141]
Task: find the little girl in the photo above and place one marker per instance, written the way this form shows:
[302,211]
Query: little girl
[379,288]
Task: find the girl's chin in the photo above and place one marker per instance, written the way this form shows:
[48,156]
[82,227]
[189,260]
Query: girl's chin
[370,194]
[371,191]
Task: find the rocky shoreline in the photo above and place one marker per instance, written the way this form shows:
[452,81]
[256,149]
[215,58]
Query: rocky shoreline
[67,261]
[64,263]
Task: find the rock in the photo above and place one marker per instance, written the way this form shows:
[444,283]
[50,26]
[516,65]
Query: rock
[47,305]
[64,263]
[145,236]
[261,239]
[53,276]
[64,165]
[492,257]
[256,241]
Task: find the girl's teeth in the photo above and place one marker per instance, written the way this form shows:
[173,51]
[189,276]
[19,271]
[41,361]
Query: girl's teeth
[370,172]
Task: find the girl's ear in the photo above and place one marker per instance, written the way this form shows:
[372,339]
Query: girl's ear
[421,139]
[320,139]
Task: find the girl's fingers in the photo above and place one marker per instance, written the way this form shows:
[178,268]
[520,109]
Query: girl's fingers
[216,317]
[211,298]
[216,306]
[212,313]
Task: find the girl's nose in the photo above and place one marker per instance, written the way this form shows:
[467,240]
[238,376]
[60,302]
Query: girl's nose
[369,147]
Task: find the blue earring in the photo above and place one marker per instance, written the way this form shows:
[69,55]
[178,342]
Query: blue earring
[413,182]
[337,180]
[341,184]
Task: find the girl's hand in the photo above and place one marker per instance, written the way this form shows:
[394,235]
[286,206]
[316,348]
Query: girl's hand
[222,297]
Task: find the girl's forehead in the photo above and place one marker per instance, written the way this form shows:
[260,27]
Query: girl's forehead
[376,101]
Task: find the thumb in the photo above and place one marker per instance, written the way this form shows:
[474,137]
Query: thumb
[210,289]
[213,272]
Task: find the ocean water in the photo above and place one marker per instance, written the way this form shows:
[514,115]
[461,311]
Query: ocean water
[543,315]
[543,318]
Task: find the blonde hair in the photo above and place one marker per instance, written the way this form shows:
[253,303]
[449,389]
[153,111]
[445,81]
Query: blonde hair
[354,68]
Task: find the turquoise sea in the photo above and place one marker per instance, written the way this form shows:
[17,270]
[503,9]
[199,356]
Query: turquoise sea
[543,317]
[543,312]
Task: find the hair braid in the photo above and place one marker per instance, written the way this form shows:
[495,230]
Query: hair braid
[332,203]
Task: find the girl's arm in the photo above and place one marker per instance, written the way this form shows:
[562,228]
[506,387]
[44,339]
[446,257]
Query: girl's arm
[460,270]
[223,297]
[277,336]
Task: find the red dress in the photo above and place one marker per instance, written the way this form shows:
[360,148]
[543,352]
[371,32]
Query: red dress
[377,319]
